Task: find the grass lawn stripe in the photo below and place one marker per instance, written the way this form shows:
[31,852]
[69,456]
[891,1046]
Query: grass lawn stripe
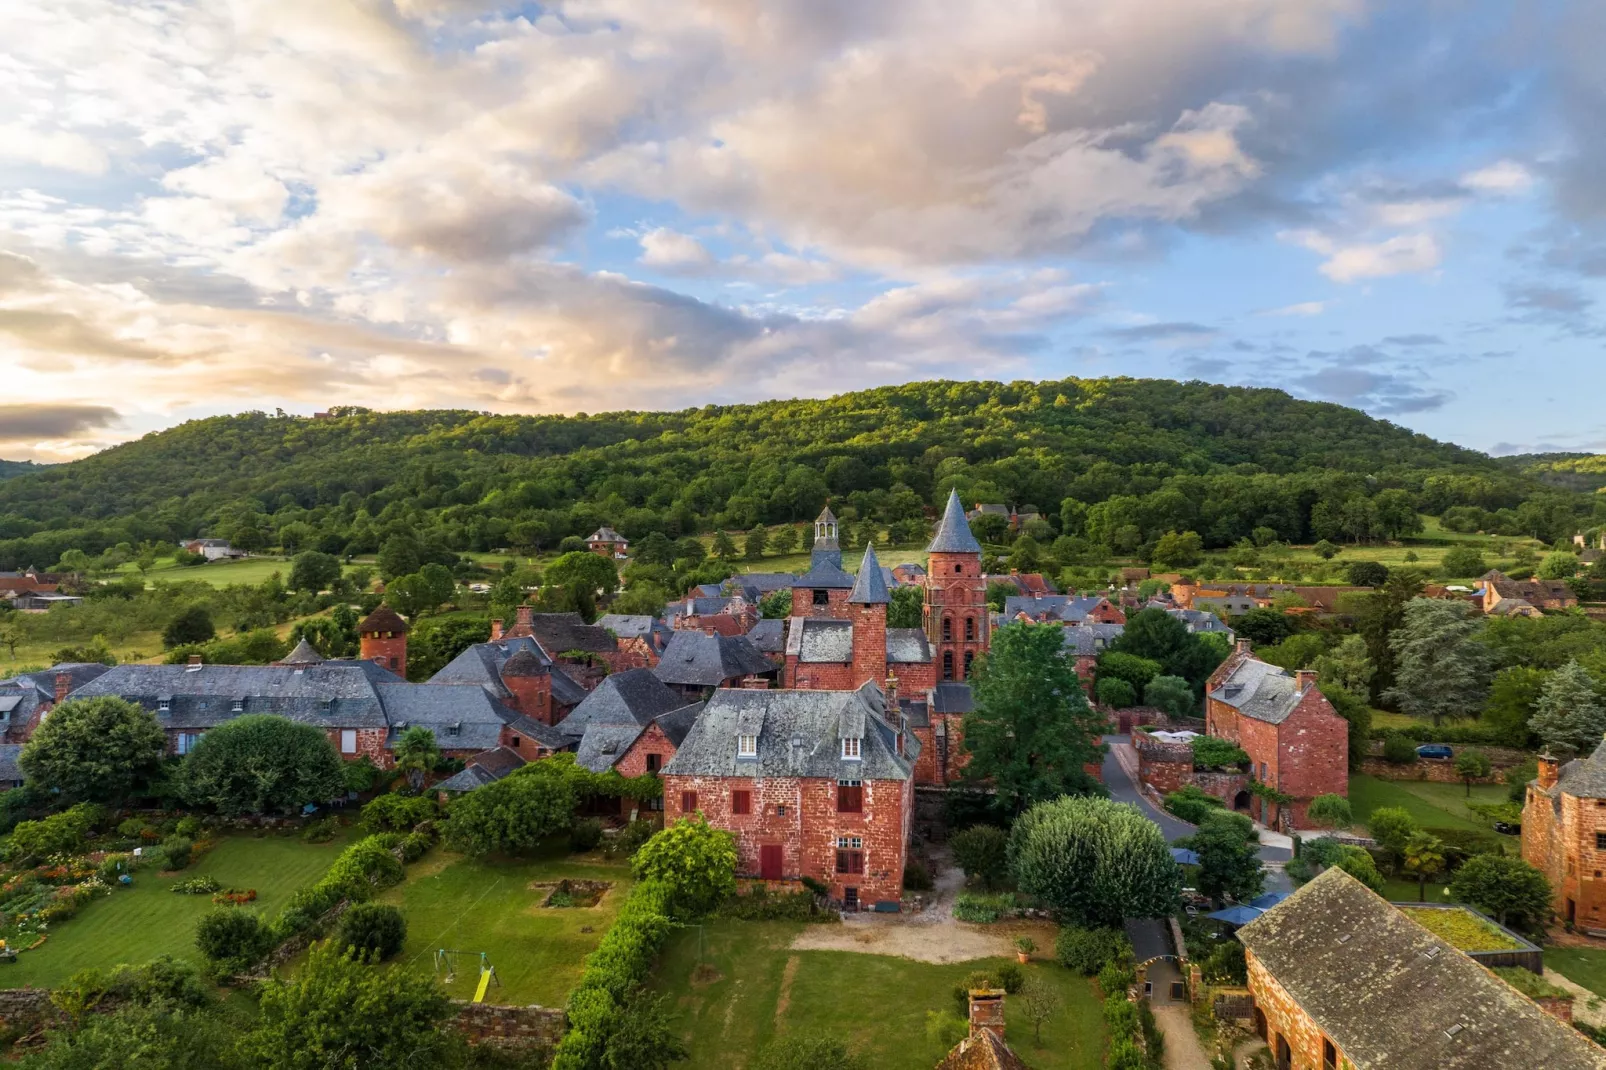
[1431,804]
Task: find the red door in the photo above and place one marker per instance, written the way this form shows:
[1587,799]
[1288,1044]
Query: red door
[769,861]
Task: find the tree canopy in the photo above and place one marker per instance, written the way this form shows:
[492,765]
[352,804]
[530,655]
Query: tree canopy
[1093,861]
[262,764]
[98,749]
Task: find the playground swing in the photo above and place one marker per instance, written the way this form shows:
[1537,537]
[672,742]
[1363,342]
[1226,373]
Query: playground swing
[446,962]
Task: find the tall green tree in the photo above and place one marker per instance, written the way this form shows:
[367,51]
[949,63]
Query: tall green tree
[192,625]
[262,764]
[1094,862]
[1509,888]
[1513,698]
[514,814]
[696,861]
[1031,731]
[757,541]
[908,608]
[1569,716]
[101,749]
[313,571]
[1160,637]
[1441,670]
[1172,695]
[1229,857]
[1376,617]
[1423,857]
[1347,665]
[416,754]
[1392,827]
[1472,765]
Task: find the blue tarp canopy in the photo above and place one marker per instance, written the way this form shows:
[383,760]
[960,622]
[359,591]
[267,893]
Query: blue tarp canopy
[1239,915]
[1184,857]
[1269,900]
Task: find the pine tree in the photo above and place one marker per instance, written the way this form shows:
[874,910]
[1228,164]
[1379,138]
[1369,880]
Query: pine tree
[1569,715]
[1441,670]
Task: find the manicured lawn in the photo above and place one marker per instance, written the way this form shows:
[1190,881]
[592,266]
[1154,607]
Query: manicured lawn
[1581,965]
[1432,805]
[1403,890]
[148,920]
[251,570]
[488,905]
[878,1004]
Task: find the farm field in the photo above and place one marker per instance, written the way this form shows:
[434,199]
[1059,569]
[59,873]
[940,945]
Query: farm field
[147,920]
[1433,805]
[251,570]
[752,987]
[475,905]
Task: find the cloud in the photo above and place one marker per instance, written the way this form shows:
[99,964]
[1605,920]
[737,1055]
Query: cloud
[31,423]
[1538,297]
[1413,340]
[670,250]
[1303,308]
[1503,178]
[1163,332]
[1377,391]
[1403,254]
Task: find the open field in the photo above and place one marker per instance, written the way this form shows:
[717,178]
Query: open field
[1432,805]
[488,905]
[878,1004]
[147,920]
[251,570]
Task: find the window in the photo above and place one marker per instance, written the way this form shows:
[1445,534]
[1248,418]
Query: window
[780,810]
[239,705]
[959,568]
[348,741]
[654,762]
[970,627]
[394,663]
[947,629]
[849,797]
[970,656]
[741,802]
[328,704]
[514,742]
[747,746]
[163,705]
[849,855]
[1329,1055]
[688,802]
[1600,841]
[454,728]
[947,664]
[187,741]
[822,597]
[850,747]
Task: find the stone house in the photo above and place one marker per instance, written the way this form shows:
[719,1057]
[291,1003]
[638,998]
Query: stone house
[1297,743]
[25,699]
[641,638]
[1341,978]
[1564,836]
[1070,609]
[608,543]
[811,783]
[212,549]
[1540,594]
[382,639]
[518,673]
[983,1048]
[695,662]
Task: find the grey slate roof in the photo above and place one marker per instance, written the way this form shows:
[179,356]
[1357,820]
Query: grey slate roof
[1392,996]
[1255,689]
[953,533]
[769,636]
[9,769]
[1585,778]
[604,744]
[676,723]
[907,646]
[820,639]
[482,664]
[696,659]
[1066,607]
[825,570]
[559,633]
[467,779]
[1090,640]
[951,696]
[870,588]
[635,696]
[334,694]
[799,735]
[303,654]
[462,716]
[21,697]
[1234,604]
[764,582]
[1199,621]
[484,768]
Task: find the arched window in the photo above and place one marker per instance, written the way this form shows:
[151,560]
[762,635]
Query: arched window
[947,664]
[959,568]
[970,656]
[947,629]
[970,627]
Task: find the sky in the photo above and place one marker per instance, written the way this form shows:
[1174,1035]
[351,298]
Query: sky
[230,205]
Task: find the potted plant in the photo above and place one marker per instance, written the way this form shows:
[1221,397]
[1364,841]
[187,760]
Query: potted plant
[1024,946]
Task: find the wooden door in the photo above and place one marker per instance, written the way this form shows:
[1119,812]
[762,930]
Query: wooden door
[770,861]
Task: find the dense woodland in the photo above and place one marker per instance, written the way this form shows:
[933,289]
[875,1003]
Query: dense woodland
[1119,461]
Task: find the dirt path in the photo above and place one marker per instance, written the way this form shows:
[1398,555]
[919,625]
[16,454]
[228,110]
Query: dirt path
[1182,1048]
[784,999]
[1582,1011]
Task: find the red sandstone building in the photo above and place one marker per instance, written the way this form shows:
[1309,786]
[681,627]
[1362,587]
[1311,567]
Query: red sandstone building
[1340,978]
[1564,836]
[812,784]
[1297,743]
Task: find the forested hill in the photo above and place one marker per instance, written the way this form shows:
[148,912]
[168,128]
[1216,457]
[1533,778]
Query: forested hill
[1571,471]
[1161,455]
[19,468]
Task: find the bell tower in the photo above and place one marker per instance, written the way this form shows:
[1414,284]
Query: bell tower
[958,623]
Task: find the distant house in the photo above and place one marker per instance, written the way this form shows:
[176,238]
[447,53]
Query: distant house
[40,601]
[1341,978]
[606,542]
[632,722]
[1063,609]
[213,549]
[519,674]
[1200,622]
[642,638]
[1497,587]
[1086,643]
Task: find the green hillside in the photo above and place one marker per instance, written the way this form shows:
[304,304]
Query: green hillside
[19,468]
[1571,471]
[1121,460]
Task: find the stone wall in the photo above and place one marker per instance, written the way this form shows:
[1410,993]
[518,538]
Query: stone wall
[1284,1019]
[520,1028]
[23,1010]
[1163,766]
[1438,772]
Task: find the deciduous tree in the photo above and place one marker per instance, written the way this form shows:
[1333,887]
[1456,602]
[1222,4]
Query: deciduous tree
[1472,765]
[262,764]
[97,749]
[694,859]
[1506,887]
[1229,860]
[1424,858]
[1093,861]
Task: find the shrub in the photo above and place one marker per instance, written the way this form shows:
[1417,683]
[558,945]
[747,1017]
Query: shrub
[1398,749]
[398,813]
[1192,804]
[1210,752]
[131,828]
[946,1030]
[982,909]
[1087,951]
[819,1052]
[694,861]
[1010,977]
[417,843]
[62,833]
[1126,1055]
[760,904]
[917,876]
[114,866]
[630,838]
[320,831]
[376,930]
[261,763]
[232,941]
[189,827]
[585,835]
[197,886]
[1116,977]
[1121,1015]
[982,852]
[176,851]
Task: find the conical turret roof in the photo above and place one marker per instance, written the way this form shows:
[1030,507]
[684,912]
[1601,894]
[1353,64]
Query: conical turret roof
[870,588]
[953,534]
[303,654]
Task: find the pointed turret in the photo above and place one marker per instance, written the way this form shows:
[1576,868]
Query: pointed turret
[825,530]
[303,654]
[953,533]
[870,588]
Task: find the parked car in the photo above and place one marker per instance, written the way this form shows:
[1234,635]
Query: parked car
[1435,752]
[1507,828]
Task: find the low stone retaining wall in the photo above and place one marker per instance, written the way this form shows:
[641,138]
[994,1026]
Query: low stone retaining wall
[24,1010]
[1437,772]
[520,1028]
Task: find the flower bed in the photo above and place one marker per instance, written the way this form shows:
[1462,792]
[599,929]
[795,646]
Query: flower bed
[235,897]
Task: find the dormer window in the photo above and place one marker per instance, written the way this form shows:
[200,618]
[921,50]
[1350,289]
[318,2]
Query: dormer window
[850,747]
[747,746]
[164,705]
[239,705]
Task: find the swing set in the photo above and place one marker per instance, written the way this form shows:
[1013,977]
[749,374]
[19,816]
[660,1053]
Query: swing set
[446,967]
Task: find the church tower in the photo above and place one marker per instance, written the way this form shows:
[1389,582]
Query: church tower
[822,591]
[868,602]
[957,618]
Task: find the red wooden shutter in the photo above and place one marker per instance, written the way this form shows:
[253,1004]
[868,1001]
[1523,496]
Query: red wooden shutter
[741,802]
[688,802]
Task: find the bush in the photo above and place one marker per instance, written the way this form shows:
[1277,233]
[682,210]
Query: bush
[376,930]
[131,828]
[197,886]
[694,861]
[1121,1015]
[397,813]
[418,842]
[1010,977]
[1472,734]
[63,833]
[982,852]
[1116,977]
[321,831]
[819,1052]
[760,904]
[982,909]
[917,876]
[189,827]
[1087,951]
[1398,749]
[1210,752]
[233,941]
[630,839]
[1191,804]
[356,872]
[1116,693]
[176,851]
[261,763]
[585,835]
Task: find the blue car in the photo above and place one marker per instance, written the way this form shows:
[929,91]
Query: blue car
[1434,752]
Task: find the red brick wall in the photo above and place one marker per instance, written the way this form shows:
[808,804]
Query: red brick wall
[386,648]
[532,696]
[1163,766]
[525,747]
[1286,1019]
[808,829]
[1564,850]
[634,653]
[803,603]
[1313,746]
[914,678]
[370,744]
[925,766]
[1106,613]
[869,645]
[956,591]
[633,762]
[820,675]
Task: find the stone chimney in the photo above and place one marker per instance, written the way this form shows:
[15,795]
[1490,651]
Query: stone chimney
[987,1011]
[1304,680]
[496,629]
[1244,646]
[63,686]
[195,661]
[1549,771]
[523,622]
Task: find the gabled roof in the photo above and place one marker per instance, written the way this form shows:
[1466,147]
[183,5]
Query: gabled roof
[697,659]
[763,582]
[825,570]
[1089,640]
[604,744]
[559,633]
[815,639]
[951,696]
[9,769]
[606,534]
[983,1051]
[637,626]
[1393,996]
[481,769]
[1255,689]
[769,636]
[333,694]
[799,734]
[870,588]
[1072,608]
[634,696]
[907,646]
[1585,778]
[462,716]
[953,533]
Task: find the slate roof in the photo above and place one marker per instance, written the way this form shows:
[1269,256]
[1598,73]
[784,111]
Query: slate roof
[1066,607]
[1199,621]
[606,534]
[907,646]
[383,619]
[604,744]
[764,582]
[634,696]
[481,769]
[951,696]
[825,570]
[799,735]
[815,639]
[303,654]
[637,626]
[467,779]
[482,664]
[1392,996]
[1234,604]
[953,532]
[870,588]
[1584,778]
[1255,689]
[1090,640]
[559,633]
[334,694]
[462,716]
[769,636]
[9,769]
[696,659]
[22,696]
